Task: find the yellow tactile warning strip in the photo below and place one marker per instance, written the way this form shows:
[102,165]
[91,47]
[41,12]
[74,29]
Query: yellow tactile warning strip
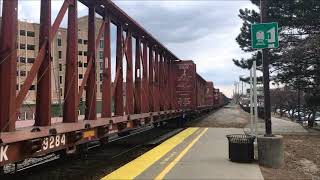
[137,166]
[167,169]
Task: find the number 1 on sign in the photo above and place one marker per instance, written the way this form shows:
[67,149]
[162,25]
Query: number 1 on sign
[272,35]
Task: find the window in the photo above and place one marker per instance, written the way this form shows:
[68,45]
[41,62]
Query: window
[33,87]
[22,73]
[22,59]
[17,87]
[31,60]
[101,43]
[80,76]
[100,76]
[101,65]
[17,73]
[22,32]
[80,64]
[30,34]
[85,41]
[59,54]
[30,47]
[59,42]
[22,46]
[85,64]
[85,53]
[100,87]
[61,92]
[60,67]
[79,41]
[80,53]
[100,54]
[60,79]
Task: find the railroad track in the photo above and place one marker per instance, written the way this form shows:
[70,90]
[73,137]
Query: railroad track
[93,164]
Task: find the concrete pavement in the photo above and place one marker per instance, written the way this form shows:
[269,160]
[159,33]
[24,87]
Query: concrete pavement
[195,153]
[279,126]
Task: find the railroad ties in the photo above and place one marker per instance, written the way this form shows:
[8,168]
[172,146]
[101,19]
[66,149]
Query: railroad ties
[158,86]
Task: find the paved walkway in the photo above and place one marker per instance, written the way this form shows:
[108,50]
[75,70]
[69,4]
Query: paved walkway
[280,126]
[195,153]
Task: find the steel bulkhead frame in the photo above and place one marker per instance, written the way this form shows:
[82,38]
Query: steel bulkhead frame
[151,79]
[43,99]
[145,83]
[156,86]
[70,106]
[129,77]
[118,91]
[166,83]
[137,107]
[39,59]
[8,65]
[91,87]
[161,82]
[90,64]
[106,80]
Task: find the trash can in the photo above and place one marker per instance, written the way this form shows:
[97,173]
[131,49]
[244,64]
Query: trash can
[241,148]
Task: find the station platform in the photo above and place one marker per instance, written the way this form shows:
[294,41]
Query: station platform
[195,153]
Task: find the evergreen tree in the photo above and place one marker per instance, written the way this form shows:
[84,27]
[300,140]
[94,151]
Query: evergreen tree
[296,61]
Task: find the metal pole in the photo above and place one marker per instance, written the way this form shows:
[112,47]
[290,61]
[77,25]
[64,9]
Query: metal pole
[266,80]
[251,101]
[129,77]
[43,105]
[90,113]
[299,103]
[71,75]
[118,95]
[8,65]
[242,87]
[137,79]
[145,83]
[151,79]
[255,97]
[106,80]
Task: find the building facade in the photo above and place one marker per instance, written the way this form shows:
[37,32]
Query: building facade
[28,46]
[27,50]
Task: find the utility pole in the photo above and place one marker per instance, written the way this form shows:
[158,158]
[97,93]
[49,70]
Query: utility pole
[266,80]
[255,97]
[242,87]
[251,103]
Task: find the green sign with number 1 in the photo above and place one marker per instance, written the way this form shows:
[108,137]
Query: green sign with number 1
[264,35]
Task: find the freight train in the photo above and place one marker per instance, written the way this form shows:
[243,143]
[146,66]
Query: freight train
[159,86]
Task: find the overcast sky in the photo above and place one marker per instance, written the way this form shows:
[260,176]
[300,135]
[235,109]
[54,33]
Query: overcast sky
[203,31]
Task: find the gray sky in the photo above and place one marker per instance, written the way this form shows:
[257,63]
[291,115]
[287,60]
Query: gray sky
[203,31]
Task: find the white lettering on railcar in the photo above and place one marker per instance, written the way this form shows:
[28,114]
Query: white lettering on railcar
[53,142]
[3,153]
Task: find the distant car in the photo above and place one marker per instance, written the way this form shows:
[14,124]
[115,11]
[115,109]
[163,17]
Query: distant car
[317,121]
[303,117]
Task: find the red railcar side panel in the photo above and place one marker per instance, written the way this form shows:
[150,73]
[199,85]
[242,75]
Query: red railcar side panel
[209,94]
[201,91]
[216,97]
[185,89]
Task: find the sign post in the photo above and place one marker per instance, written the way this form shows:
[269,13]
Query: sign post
[264,36]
